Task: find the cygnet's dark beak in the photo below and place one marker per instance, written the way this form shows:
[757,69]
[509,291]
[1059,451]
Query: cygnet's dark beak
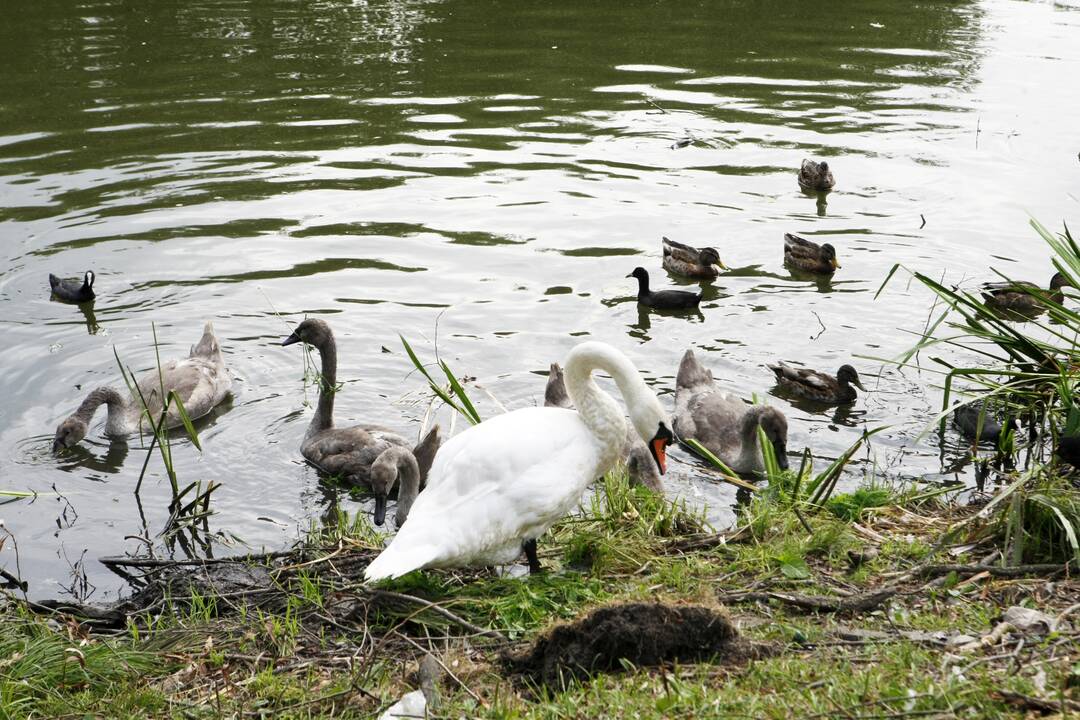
[380,509]
[781,457]
[57,444]
[291,340]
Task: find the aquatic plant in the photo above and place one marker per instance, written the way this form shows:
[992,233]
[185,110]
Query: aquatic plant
[1029,368]
[184,512]
[453,389]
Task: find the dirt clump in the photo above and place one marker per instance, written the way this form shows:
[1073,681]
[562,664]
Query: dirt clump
[644,634]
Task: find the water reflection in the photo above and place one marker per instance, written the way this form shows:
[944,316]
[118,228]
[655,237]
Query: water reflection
[258,161]
[87,310]
[85,456]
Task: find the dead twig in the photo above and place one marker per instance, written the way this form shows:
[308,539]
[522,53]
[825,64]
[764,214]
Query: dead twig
[121,561]
[449,672]
[812,603]
[710,540]
[820,332]
[1015,571]
[1033,703]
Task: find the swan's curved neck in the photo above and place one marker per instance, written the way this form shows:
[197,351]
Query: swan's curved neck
[120,408]
[750,450]
[324,411]
[596,408]
[409,482]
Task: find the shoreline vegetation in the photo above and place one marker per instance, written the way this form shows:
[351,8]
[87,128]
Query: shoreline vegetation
[885,602]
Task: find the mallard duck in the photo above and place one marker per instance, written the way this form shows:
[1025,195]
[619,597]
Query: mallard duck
[819,386]
[976,423]
[807,256]
[200,381]
[815,176]
[1024,297]
[690,261]
[722,422]
[73,290]
[663,299]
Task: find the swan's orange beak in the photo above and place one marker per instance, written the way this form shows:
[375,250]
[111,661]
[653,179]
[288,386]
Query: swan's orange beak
[659,448]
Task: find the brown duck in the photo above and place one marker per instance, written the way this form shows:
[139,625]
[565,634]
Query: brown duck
[819,386]
[691,261]
[1024,297]
[815,176]
[807,256]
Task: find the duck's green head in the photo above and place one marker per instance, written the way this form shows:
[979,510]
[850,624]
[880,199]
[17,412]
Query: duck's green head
[828,254]
[848,375]
[710,257]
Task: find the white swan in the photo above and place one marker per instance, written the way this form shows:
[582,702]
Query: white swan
[499,485]
[640,467]
[199,380]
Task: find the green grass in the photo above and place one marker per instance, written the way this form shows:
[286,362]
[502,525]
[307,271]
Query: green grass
[215,657]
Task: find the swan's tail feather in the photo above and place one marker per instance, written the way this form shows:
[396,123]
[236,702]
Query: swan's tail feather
[692,374]
[425,451]
[555,390]
[394,562]
[207,346]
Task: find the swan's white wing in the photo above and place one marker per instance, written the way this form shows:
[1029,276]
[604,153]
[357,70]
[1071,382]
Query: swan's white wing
[503,481]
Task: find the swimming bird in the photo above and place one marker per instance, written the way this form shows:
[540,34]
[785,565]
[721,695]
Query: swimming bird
[809,256]
[979,421]
[1068,449]
[499,485]
[815,176]
[1024,297]
[663,299]
[200,381]
[351,452]
[393,465]
[639,463]
[818,386]
[73,290]
[722,422]
[691,261]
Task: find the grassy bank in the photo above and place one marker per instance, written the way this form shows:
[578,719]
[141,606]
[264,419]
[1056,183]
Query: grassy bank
[872,612]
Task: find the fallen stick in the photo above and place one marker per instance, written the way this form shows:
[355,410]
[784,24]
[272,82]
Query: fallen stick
[1033,703]
[1015,571]
[709,540]
[123,561]
[812,603]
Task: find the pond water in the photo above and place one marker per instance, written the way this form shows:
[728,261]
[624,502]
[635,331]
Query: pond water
[492,170]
